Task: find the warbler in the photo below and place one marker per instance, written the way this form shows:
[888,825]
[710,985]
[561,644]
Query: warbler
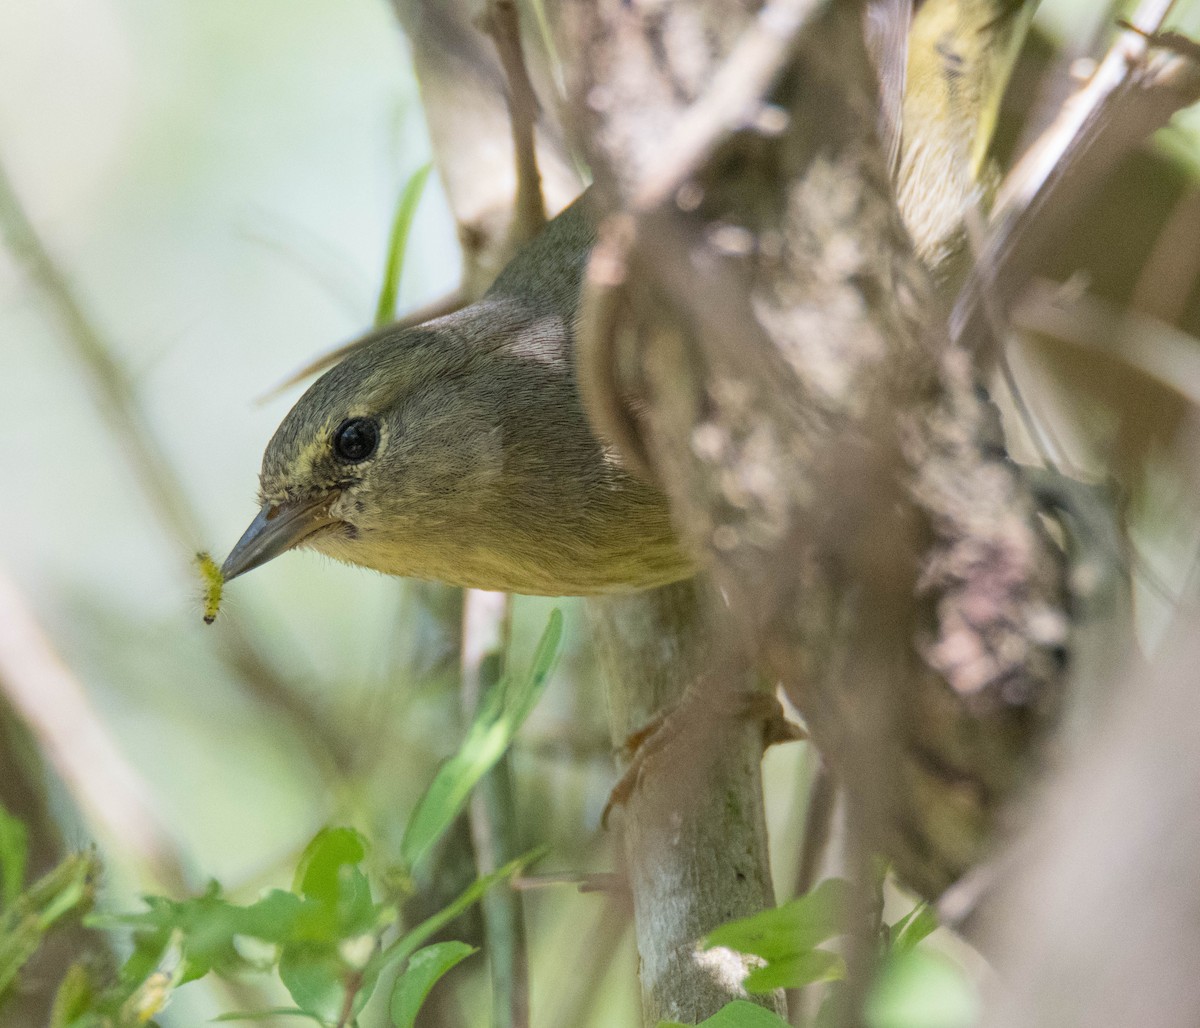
[459,451]
[960,55]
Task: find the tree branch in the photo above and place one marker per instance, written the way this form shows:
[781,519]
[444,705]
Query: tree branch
[502,23]
[821,443]
[53,704]
[694,834]
[1133,92]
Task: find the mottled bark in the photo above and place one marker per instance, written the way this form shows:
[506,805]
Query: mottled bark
[821,442]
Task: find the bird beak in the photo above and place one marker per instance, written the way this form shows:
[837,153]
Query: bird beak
[279,527]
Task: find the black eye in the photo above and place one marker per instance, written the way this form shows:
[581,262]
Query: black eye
[355,440]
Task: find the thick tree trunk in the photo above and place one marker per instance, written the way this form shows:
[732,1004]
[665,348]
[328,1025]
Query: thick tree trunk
[821,442]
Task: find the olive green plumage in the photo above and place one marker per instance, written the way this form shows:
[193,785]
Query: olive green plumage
[485,473]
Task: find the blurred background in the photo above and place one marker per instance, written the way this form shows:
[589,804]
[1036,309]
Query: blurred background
[216,182]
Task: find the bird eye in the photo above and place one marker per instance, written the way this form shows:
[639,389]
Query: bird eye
[355,440]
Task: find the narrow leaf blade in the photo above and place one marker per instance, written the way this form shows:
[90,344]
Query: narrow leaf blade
[496,724]
[425,969]
[406,209]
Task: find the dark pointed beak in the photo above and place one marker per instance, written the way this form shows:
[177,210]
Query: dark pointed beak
[278,528]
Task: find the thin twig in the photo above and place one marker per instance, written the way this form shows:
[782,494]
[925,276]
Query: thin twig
[1133,91]
[1168,355]
[118,402]
[1083,113]
[502,22]
[818,827]
[491,813]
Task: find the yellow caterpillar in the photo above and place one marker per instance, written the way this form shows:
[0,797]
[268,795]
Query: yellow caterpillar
[214,582]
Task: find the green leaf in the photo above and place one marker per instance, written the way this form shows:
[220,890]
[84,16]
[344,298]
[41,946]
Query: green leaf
[14,854]
[205,925]
[786,938]
[501,713]
[738,1014]
[922,990]
[262,1015]
[276,918]
[412,940]
[313,965]
[320,933]
[907,933]
[328,872]
[425,968]
[323,858]
[792,929]
[794,972]
[64,889]
[315,978]
[406,208]
[75,996]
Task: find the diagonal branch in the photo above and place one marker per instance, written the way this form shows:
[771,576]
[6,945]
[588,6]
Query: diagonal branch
[502,22]
[1134,91]
[766,334]
[50,700]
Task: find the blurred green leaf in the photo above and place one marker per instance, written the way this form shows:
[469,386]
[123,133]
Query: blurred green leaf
[316,966]
[329,937]
[738,1014]
[425,968]
[315,978]
[791,929]
[786,938]
[328,872]
[146,982]
[501,713]
[74,997]
[794,972]
[262,1015]
[907,933]
[14,853]
[205,926]
[320,865]
[65,889]
[275,918]
[922,990]
[319,932]
[406,208]
[412,940]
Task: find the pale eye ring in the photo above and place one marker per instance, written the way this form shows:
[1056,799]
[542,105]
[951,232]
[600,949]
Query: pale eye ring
[355,440]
